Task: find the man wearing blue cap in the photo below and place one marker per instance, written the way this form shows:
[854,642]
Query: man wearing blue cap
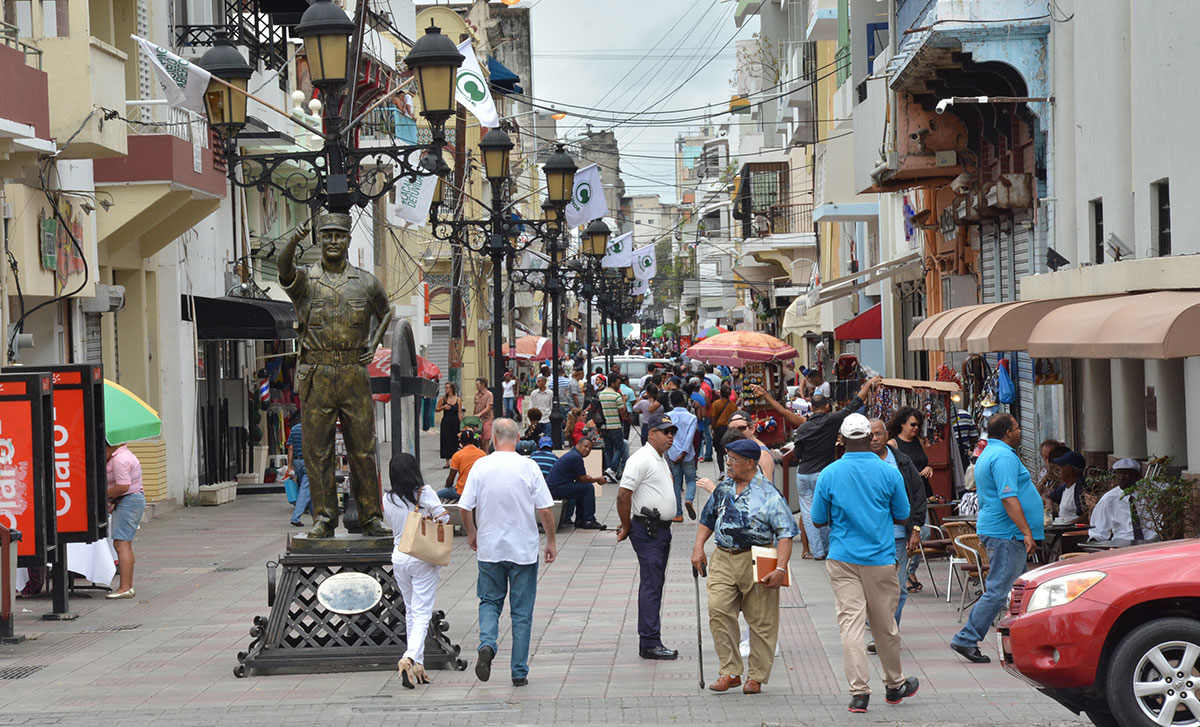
[569,481]
[1066,500]
[545,456]
[744,511]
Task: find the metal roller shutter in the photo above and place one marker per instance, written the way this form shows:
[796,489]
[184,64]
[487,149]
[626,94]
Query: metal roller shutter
[988,267]
[93,343]
[438,352]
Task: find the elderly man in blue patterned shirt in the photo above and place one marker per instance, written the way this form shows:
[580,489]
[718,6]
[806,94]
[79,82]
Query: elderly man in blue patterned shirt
[744,511]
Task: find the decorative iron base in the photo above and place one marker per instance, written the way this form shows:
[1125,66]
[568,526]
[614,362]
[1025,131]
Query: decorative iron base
[302,635]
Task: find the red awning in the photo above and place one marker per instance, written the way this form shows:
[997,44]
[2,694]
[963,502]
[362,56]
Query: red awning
[868,324]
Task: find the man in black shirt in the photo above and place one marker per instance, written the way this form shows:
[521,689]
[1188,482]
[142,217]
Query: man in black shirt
[816,448]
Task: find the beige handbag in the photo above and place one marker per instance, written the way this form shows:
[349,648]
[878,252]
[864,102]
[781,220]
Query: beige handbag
[426,539]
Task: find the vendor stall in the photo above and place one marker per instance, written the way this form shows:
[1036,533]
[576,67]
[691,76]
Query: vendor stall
[936,400]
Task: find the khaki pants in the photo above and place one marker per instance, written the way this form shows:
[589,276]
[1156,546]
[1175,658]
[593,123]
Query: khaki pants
[731,589]
[863,591]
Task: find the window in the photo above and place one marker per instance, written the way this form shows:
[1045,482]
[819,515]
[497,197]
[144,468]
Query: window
[1097,215]
[1161,219]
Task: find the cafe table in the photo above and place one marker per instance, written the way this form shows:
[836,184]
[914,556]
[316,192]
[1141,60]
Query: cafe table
[1099,546]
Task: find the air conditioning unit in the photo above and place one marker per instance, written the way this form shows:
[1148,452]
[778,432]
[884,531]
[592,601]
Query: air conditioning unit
[109,299]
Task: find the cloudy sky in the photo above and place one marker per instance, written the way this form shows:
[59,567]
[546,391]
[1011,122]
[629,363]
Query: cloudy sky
[625,56]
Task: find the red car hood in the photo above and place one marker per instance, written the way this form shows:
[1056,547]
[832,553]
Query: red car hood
[1132,557]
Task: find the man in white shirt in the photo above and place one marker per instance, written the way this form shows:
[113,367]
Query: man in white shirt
[646,506]
[508,489]
[542,399]
[1112,517]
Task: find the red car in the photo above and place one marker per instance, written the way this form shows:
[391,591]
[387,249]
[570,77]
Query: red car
[1113,635]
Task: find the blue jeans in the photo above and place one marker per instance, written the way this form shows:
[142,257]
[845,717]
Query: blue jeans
[304,496]
[1007,560]
[519,582]
[448,493]
[616,449]
[427,414]
[510,406]
[706,439]
[684,473]
[901,573]
[818,538]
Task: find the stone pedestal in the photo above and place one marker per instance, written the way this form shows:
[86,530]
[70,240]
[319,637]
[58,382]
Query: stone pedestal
[353,622]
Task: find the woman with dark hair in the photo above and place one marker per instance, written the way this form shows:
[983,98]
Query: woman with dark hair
[415,579]
[451,407]
[904,433]
[721,411]
[647,404]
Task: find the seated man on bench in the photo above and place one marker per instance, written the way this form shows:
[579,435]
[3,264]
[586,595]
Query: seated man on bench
[568,481]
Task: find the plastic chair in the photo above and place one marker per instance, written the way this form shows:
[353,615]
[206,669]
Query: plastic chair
[971,550]
[953,531]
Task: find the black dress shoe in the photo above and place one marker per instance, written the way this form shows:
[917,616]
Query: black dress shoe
[971,654]
[591,525]
[483,667]
[660,653]
[520,681]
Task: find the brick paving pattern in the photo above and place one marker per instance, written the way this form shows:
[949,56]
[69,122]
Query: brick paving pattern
[169,653]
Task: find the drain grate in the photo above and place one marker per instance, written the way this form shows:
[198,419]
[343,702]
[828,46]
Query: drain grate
[107,629]
[20,672]
[229,569]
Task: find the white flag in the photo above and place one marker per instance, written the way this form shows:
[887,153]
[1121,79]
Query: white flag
[473,90]
[587,197]
[641,286]
[645,263]
[184,83]
[414,195]
[619,252]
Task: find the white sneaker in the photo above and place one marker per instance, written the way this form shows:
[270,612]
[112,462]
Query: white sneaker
[610,474]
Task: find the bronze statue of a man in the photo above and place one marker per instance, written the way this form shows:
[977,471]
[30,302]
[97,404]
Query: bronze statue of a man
[335,304]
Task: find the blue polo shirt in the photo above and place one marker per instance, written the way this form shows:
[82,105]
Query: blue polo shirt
[567,470]
[999,475]
[860,496]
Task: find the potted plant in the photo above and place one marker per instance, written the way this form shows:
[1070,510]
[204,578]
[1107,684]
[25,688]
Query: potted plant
[1166,504]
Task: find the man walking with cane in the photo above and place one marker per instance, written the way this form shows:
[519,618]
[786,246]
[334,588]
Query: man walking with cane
[744,511]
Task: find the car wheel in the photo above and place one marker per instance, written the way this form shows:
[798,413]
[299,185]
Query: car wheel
[1102,718]
[1154,676]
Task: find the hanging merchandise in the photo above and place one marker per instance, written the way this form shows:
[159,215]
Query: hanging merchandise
[932,399]
[1004,383]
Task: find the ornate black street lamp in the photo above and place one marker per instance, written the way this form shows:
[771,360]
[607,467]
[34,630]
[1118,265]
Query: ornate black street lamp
[499,236]
[339,175]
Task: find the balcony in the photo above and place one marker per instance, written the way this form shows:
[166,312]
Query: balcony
[86,72]
[166,184]
[822,20]
[24,105]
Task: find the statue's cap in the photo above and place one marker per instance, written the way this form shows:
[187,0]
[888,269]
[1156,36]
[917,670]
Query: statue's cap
[335,221]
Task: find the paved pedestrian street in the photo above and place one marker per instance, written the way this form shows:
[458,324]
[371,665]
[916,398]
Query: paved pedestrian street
[167,656]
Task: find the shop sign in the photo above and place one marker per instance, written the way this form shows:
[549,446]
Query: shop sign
[25,485]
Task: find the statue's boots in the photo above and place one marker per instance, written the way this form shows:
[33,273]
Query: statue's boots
[375,528]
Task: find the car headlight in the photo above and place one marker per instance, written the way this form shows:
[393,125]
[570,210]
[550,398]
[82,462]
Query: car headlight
[1064,589]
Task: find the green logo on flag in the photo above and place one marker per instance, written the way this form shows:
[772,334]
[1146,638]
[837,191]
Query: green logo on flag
[471,85]
[583,193]
[616,248]
[647,262]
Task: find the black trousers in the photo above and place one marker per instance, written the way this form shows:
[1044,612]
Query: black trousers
[652,555]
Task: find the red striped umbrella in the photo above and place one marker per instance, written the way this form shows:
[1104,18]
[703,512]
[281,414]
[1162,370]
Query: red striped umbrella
[738,348]
[531,348]
[381,368]
[711,331]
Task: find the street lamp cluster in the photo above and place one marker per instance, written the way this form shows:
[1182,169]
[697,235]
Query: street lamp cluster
[340,175]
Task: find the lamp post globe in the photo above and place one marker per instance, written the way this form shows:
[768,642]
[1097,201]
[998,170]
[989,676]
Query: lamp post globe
[326,30]
[495,146]
[435,60]
[226,107]
[596,238]
[560,175]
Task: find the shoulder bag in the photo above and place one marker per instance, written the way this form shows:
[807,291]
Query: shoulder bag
[426,539]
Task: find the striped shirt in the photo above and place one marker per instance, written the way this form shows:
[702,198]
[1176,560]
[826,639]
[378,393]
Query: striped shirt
[611,403]
[545,460]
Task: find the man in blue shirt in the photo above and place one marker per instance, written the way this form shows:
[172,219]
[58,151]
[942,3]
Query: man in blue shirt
[545,456]
[295,450]
[1009,526]
[744,511]
[568,481]
[682,454]
[861,497]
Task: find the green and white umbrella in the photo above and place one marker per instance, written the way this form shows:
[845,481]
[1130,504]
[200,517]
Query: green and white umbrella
[126,417]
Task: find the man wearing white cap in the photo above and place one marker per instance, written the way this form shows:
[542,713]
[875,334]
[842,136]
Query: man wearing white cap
[1113,518]
[860,497]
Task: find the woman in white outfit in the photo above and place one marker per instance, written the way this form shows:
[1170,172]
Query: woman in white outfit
[416,579]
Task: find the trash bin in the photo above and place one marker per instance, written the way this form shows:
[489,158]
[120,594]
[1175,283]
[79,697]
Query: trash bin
[8,582]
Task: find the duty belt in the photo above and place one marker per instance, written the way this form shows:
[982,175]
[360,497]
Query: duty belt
[330,358]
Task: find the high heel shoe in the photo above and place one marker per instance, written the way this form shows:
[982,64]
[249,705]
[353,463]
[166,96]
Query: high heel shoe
[407,673]
[421,675]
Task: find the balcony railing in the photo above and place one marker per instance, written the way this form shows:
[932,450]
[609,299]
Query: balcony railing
[156,117]
[791,218]
[10,35]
